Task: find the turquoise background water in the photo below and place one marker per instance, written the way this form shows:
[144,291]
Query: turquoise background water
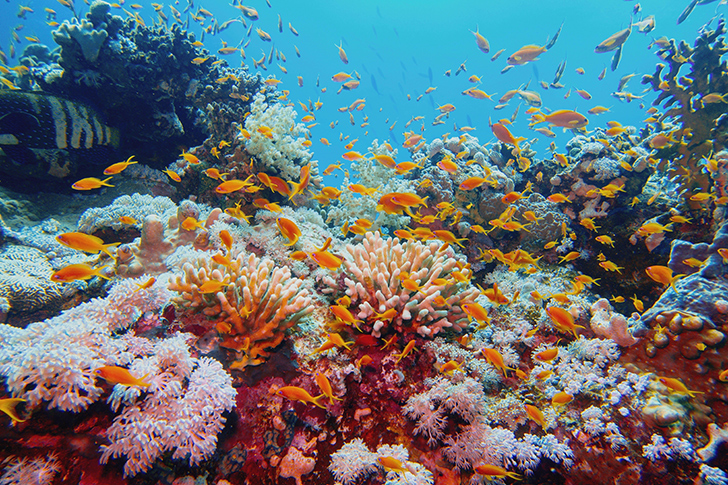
[404,47]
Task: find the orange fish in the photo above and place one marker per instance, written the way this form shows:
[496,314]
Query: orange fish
[340,77]
[304,180]
[495,471]
[215,174]
[496,360]
[213,286]
[226,238]
[408,199]
[128,220]
[472,183]
[145,285]
[85,242]
[118,167]
[289,230]
[231,186]
[173,175]
[407,349]
[504,135]
[547,355]
[342,313]
[353,156]
[476,311]
[562,118]
[326,260]
[365,360]
[562,319]
[535,414]
[561,399]
[391,464]
[190,224]
[450,366]
[295,393]
[91,183]
[677,386]
[119,375]
[663,274]
[481,41]
[323,383]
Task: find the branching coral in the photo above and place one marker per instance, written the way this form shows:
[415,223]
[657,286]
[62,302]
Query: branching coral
[374,283]
[687,98]
[252,307]
[281,145]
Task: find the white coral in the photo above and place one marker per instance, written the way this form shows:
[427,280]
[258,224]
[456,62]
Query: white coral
[55,360]
[284,150]
[352,462]
[186,419]
[39,471]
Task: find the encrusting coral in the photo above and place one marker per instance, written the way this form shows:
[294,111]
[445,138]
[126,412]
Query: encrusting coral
[250,301]
[374,284]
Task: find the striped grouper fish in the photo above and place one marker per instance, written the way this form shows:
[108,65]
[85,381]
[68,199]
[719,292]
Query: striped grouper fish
[43,121]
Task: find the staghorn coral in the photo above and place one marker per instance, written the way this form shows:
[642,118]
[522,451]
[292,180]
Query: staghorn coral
[373,279]
[255,307]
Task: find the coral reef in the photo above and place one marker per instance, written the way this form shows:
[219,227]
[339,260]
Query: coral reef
[54,361]
[250,301]
[182,413]
[281,148]
[374,275]
[25,284]
[136,206]
[685,96]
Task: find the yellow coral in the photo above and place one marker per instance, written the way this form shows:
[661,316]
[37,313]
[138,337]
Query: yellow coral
[253,311]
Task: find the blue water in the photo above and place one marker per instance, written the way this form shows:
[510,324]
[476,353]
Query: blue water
[401,48]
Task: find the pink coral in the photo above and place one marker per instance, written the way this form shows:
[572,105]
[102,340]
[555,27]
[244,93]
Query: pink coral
[609,324]
[374,283]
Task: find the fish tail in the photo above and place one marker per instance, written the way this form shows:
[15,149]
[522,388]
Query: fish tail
[8,408]
[315,401]
[103,182]
[98,273]
[296,190]
[105,248]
